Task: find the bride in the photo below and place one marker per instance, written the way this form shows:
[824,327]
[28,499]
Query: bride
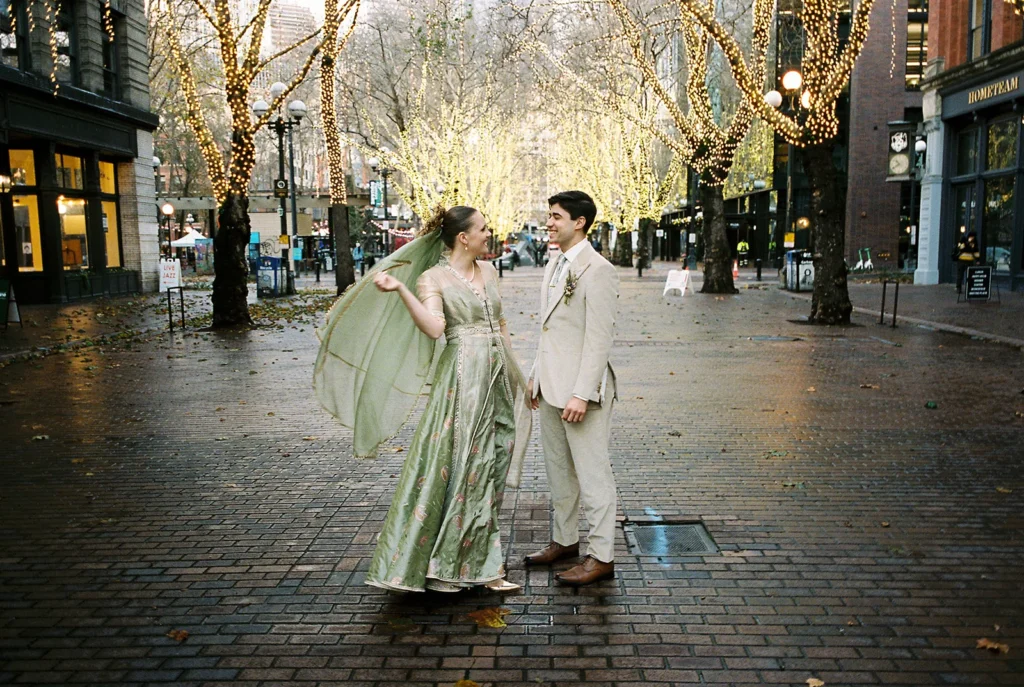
[441,531]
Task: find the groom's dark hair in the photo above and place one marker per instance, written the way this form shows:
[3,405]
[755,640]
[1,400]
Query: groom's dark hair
[577,204]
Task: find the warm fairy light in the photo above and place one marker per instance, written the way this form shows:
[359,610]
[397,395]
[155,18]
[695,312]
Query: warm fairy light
[826,66]
[230,171]
[805,100]
[333,18]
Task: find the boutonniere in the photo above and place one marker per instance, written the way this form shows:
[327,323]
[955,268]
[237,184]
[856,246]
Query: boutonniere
[571,280]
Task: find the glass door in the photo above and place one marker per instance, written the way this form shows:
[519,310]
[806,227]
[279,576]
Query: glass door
[997,238]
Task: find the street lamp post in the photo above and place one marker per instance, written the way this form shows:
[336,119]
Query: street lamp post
[792,81]
[916,159]
[167,210]
[279,125]
[384,172]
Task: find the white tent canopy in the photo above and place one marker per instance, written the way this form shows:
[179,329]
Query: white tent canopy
[188,240]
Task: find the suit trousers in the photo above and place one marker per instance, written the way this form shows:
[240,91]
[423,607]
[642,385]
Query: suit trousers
[579,470]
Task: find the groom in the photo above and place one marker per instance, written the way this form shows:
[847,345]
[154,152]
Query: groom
[573,385]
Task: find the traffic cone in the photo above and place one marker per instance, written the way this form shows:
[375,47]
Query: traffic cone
[735,269]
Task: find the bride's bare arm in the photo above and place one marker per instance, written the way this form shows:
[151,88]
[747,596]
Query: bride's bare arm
[424,314]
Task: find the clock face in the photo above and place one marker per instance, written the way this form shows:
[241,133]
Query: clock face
[899,164]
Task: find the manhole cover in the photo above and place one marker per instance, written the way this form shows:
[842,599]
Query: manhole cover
[671,540]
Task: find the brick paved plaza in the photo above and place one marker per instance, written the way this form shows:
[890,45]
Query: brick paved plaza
[191,483]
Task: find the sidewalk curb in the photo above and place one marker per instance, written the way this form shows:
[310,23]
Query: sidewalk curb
[939,326]
[75,344]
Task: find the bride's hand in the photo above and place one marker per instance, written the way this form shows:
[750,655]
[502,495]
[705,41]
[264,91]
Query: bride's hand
[385,282]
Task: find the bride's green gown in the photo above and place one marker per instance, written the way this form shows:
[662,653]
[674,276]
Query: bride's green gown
[441,530]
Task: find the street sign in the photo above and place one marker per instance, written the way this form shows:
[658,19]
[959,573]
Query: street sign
[170,274]
[979,283]
[280,188]
[283,240]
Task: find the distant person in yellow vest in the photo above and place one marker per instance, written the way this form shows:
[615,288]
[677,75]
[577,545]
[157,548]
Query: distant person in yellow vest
[743,248]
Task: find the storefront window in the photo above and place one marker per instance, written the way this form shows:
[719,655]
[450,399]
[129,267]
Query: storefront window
[1002,145]
[967,152]
[74,241]
[107,178]
[69,172]
[998,223]
[917,42]
[23,167]
[26,228]
[111,236]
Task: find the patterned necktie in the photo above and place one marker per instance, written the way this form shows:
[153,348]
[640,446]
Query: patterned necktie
[557,273]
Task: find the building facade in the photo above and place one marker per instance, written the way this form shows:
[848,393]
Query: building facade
[77,209]
[973,180]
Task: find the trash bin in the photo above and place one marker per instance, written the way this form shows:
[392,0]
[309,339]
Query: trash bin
[799,270]
[269,280]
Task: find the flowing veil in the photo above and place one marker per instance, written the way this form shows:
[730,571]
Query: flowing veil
[373,360]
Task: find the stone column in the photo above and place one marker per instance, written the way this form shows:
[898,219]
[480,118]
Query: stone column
[929,233]
[140,235]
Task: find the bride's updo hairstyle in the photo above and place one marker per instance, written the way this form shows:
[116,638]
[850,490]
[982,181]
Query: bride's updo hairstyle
[450,223]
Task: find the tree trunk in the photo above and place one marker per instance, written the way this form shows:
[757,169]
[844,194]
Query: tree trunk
[606,240]
[624,249]
[231,265]
[344,266]
[831,301]
[717,262]
[643,244]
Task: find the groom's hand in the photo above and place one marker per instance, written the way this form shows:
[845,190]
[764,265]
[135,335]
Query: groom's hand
[575,410]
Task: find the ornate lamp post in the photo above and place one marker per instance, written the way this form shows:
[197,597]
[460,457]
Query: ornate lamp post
[167,211]
[385,172]
[279,125]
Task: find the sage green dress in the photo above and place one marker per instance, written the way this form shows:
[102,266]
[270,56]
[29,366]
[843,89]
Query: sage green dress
[441,530]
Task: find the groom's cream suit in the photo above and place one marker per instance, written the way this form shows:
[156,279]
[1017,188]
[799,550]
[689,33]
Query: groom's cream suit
[572,360]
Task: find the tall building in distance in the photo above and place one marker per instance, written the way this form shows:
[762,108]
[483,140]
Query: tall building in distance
[289,23]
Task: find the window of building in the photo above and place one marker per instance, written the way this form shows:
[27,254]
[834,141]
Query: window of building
[74,237]
[70,171]
[23,167]
[66,66]
[979,29]
[112,58]
[14,34]
[997,223]
[111,235]
[29,236]
[108,178]
[967,152]
[917,42]
[1001,151]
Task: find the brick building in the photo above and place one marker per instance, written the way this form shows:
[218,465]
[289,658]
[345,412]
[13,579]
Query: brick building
[884,88]
[973,178]
[77,204]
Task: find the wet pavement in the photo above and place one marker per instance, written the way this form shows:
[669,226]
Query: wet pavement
[863,485]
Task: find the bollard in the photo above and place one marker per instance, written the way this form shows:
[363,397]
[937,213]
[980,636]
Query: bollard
[757,263]
[362,269]
[639,268]
[317,271]
[881,316]
[895,304]
[501,268]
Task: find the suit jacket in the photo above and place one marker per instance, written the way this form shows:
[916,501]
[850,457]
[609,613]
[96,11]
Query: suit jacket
[576,337]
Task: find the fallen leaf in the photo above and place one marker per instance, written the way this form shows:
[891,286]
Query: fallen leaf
[309,438]
[467,683]
[776,454]
[1004,490]
[814,682]
[885,523]
[931,405]
[41,437]
[178,635]
[738,553]
[271,414]
[870,386]
[994,647]
[811,389]
[397,449]
[489,617]
[76,461]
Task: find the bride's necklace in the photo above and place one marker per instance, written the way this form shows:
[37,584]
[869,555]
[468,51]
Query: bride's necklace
[472,272]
